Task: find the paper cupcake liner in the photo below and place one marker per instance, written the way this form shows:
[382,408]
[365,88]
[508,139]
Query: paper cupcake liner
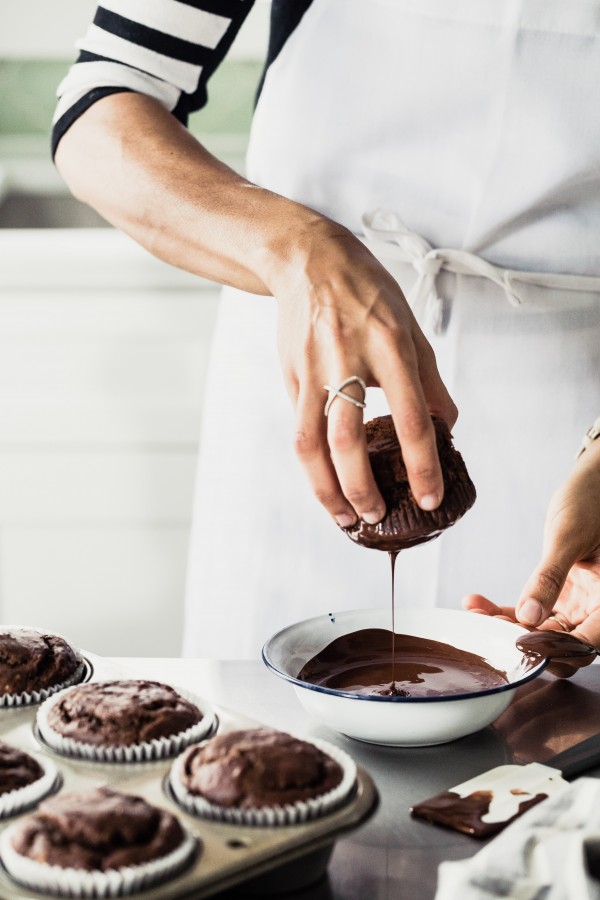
[27,698]
[24,798]
[158,748]
[268,816]
[83,883]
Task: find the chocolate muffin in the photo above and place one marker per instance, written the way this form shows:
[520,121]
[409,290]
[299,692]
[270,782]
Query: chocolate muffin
[121,713]
[17,769]
[33,661]
[257,768]
[96,830]
[405,523]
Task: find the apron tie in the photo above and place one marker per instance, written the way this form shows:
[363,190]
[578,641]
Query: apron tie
[424,297]
[384,227]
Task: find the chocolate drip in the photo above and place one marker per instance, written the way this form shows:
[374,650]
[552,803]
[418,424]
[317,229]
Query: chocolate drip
[393,557]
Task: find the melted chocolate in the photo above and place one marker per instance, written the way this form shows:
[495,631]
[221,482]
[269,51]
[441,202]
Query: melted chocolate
[539,645]
[466,813]
[362,663]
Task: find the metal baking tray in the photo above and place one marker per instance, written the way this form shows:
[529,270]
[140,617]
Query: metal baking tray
[267,860]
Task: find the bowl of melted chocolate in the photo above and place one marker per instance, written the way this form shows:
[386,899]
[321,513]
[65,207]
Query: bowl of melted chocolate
[440,675]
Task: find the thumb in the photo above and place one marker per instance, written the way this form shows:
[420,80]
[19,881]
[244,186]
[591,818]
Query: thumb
[542,590]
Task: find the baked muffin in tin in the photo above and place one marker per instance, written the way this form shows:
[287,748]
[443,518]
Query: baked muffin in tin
[34,664]
[24,780]
[95,843]
[125,720]
[262,777]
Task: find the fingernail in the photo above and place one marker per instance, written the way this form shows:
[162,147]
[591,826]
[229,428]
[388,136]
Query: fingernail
[530,613]
[429,501]
[345,520]
[372,518]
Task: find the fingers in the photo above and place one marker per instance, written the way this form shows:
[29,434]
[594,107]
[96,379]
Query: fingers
[563,668]
[414,427]
[348,448]
[310,443]
[542,589]
[334,455]
[439,401]
[343,479]
[480,604]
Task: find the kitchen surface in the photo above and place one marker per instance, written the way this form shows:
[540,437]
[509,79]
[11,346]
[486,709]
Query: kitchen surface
[394,855]
[379,850]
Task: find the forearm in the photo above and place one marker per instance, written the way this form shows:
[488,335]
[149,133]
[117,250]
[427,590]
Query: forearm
[138,166]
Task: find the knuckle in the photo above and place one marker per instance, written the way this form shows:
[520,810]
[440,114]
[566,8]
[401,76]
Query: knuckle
[416,425]
[427,355]
[452,413]
[551,579]
[424,474]
[395,336]
[331,324]
[308,350]
[344,436]
[359,497]
[327,498]
[306,444]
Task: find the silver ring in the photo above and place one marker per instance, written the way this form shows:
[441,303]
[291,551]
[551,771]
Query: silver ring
[339,392]
[560,620]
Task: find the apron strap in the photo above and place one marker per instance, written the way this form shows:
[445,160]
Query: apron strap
[385,230]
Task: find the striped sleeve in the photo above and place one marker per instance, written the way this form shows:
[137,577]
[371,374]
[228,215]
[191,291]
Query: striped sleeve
[166,49]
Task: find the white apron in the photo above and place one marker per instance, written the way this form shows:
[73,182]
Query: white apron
[475,124]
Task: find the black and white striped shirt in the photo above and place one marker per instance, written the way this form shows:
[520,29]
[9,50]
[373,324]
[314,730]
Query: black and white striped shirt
[166,49]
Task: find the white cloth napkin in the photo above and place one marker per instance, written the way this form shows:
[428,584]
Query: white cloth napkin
[552,852]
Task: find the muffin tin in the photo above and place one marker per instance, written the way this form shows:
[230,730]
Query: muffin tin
[275,859]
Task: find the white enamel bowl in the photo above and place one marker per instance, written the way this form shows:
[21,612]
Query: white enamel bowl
[404,721]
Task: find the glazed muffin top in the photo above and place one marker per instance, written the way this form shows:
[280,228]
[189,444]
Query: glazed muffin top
[97,830]
[121,713]
[258,767]
[34,661]
[17,769]
[405,523]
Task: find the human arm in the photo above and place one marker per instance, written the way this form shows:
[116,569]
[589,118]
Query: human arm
[340,313]
[567,579]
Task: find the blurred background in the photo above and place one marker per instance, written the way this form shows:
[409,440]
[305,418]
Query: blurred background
[103,352]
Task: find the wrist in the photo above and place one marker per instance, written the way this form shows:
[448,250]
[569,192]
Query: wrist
[295,245]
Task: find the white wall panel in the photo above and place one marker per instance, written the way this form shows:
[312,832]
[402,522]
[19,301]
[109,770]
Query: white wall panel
[103,354]
[59,486]
[126,369]
[88,313]
[109,590]
[86,366]
[92,423]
